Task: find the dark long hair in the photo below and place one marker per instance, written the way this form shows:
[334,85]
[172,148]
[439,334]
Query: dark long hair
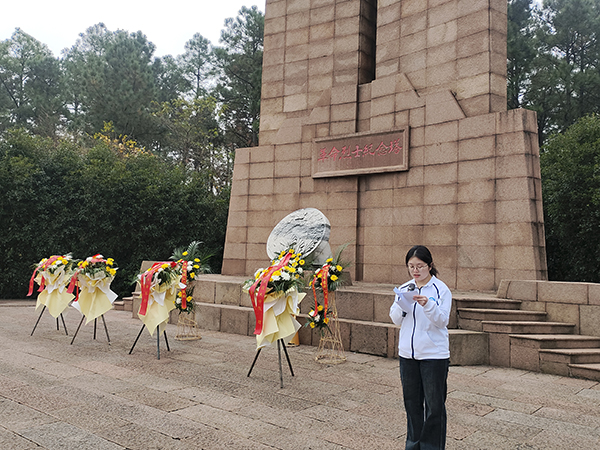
[423,253]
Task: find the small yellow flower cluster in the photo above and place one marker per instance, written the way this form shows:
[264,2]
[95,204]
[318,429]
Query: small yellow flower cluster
[285,277]
[192,266]
[332,273]
[189,307]
[95,264]
[55,263]
[123,144]
[317,318]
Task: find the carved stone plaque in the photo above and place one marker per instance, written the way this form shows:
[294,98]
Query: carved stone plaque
[360,153]
[306,231]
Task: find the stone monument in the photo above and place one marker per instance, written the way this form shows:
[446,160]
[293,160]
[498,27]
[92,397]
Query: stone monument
[306,231]
[389,116]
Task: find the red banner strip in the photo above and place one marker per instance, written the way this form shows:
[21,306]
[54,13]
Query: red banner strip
[184,265]
[146,283]
[73,283]
[324,272]
[258,298]
[47,263]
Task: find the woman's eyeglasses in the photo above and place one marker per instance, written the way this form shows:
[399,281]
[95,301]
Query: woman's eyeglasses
[419,267]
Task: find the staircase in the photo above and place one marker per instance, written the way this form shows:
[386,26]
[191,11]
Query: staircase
[363,317]
[515,327]
[526,339]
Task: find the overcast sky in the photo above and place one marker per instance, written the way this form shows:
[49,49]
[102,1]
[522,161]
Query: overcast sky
[168,25]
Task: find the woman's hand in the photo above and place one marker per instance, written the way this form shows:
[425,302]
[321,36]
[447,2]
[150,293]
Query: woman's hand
[421,299]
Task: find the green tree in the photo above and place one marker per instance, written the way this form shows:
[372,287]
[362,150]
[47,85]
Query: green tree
[83,57]
[195,140]
[125,88]
[115,81]
[113,199]
[521,50]
[239,66]
[562,83]
[30,85]
[36,178]
[570,163]
[170,79]
[196,64]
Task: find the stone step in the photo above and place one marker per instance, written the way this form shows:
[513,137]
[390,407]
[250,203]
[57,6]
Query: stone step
[571,355]
[487,303]
[558,341]
[127,303]
[473,318]
[527,351]
[527,327]
[359,302]
[587,371]
[501,314]
[376,338]
[118,305]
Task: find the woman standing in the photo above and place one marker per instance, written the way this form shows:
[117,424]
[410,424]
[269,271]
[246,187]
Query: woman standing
[422,307]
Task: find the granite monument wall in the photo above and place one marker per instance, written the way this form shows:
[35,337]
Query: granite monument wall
[390,117]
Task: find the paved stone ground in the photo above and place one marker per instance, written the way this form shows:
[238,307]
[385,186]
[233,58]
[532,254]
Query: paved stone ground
[90,395]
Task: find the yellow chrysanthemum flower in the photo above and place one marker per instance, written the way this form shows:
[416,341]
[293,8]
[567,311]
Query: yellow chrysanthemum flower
[329,260]
[196,260]
[339,268]
[312,324]
[165,266]
[196,266]
[184,253]
[301,262]
[320,308]
[192,275]
[326,320]
[334,277]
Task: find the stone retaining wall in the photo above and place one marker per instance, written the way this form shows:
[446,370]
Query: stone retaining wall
[222,305]
[568,302]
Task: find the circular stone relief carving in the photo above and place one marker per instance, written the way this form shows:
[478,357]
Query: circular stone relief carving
[304,230]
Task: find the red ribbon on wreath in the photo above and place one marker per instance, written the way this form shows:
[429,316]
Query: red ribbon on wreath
[184,265]
[322,273]
[258,298]
[45,265]
[74,284]
[146,284]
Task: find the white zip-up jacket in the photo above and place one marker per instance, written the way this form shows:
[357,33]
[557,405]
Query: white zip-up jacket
[424,330]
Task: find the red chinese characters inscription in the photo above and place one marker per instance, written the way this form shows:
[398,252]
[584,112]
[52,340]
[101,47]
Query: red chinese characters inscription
[360,154]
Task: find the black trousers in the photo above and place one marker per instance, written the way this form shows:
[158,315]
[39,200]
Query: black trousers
[424,387]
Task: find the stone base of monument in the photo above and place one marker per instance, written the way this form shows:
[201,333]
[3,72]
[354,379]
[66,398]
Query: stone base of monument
[363,319]
[485,328]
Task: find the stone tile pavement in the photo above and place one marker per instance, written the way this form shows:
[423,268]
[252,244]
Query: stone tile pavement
[91,395]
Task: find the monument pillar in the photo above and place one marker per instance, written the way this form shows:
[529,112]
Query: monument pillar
[390,117]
